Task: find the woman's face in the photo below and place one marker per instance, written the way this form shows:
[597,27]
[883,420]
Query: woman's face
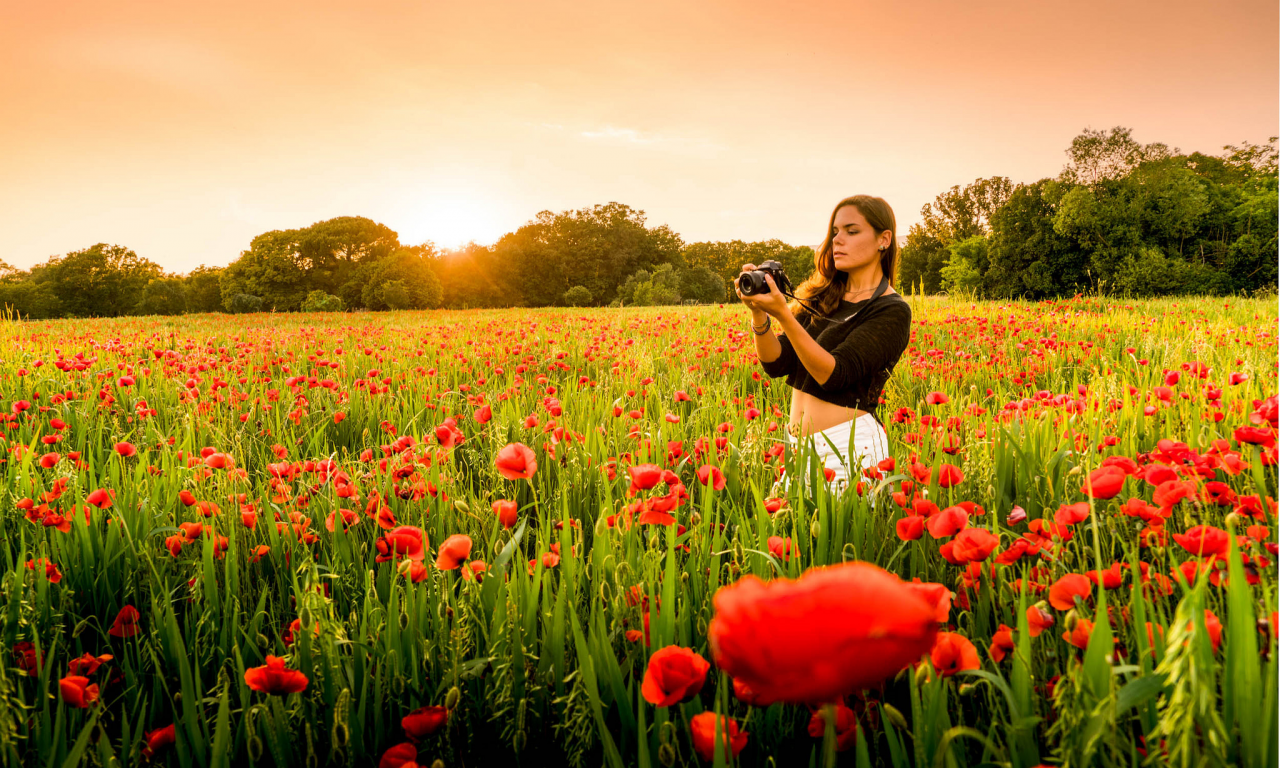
[854,242]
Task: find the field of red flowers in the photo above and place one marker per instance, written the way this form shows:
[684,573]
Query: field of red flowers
[559,537]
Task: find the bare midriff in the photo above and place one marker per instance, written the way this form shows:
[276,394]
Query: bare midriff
[810,414]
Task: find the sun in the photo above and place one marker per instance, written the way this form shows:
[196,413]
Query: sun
[450,218]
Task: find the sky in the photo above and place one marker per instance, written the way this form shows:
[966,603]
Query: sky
[184,130]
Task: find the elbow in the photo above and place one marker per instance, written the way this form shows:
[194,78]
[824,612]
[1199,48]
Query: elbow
[838,380]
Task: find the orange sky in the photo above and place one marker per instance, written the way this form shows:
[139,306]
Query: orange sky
[183,130]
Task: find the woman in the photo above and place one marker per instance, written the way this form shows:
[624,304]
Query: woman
[838,362]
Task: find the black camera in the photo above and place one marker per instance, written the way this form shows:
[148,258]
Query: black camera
[751,283]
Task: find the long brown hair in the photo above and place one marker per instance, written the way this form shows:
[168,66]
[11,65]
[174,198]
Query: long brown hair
[826,286]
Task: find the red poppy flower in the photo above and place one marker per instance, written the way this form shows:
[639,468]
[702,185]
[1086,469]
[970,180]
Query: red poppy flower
[406,541]
[1070,514]
[949,475]
[831,632]
[101,498]
[77,692]
[709,474]
[158,739]
[453,551]
[404,755]
[1038,620]
[482,414]
[1063,592]
[126,623]
[644,477]
[744,693]
[126,449]
[1001,644]
[674,675]
[506,511]
[424,721]
[952,653]
[1204,541]
[974,545]
[516,461]
[846,727]
[1080,634]
[703,729]
[274,678]
[1104,483]
[910,527]
[948,522]
[87,663]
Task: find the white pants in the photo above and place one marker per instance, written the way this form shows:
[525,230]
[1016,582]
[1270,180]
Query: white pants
[860,444]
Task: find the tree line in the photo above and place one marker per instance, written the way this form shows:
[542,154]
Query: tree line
[1121,218]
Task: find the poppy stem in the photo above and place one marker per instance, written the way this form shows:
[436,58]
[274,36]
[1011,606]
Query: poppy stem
[829,736]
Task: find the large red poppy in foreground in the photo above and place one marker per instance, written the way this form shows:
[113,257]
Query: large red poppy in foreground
[831,632]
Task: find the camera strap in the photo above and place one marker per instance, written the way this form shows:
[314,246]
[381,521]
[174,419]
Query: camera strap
[880,289]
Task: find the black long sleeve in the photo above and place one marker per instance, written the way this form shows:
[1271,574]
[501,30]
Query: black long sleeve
[865,349]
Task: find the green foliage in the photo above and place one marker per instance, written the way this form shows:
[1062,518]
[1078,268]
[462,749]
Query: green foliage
[203,292]
[404,280]
[962,275]
[31,300]
[100,281]
[577,296]
[319,301]
[163,296]
[649,289]
[244,302]
[725,260]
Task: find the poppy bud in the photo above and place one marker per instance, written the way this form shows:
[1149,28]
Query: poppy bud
[684,577]
[653,541]
[966,688]
[815,529]
[518,741]
[306,617]
[667,733]
[602,526]
[263,642]
[1233,520]
[454,695]
[894,716]
[397,682]
[694,519]
[1070,620]
[255,749]
[404,624]
[437,763]
[923,674]
[177,697]
[1074,471]
[461,506]
[666,755]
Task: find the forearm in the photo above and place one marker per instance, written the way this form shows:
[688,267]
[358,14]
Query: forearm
[816,360]
[768,348]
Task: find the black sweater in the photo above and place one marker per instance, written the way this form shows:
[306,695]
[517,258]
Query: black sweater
[865,349]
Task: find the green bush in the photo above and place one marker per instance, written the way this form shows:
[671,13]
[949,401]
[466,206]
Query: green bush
[577,296]
[319,301]
[242,303]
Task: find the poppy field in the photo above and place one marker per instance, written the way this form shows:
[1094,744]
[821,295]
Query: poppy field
[560,537]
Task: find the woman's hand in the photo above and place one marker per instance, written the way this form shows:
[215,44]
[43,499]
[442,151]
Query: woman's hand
[773,303]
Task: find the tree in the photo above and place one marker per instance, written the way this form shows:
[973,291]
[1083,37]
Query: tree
[1026,255]
[963,271]
[99,281]
[29,299]
[242,303]
[1098,156]
[319,301]
[267,270]
[577,296]
[413,283]
[163,296]
[702,285]
[203,292]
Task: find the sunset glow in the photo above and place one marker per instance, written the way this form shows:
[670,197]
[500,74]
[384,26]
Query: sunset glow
[182,133]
